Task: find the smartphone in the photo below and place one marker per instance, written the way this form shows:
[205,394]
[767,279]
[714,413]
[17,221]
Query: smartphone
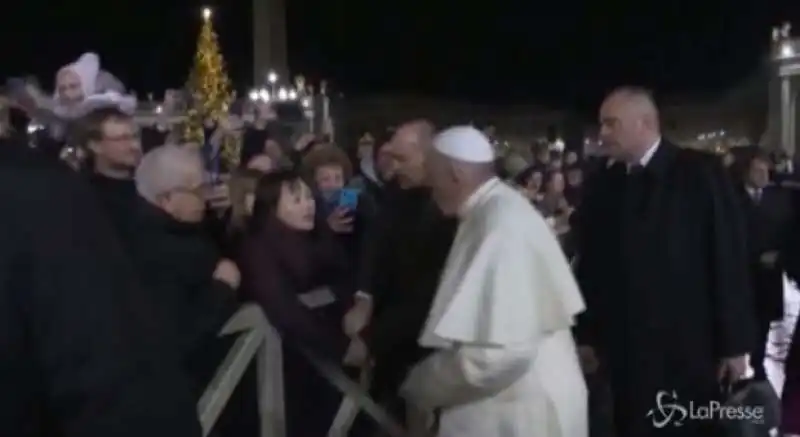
[348,198]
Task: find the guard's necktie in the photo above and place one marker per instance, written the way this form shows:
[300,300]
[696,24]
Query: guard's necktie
[636,189]
[635,170]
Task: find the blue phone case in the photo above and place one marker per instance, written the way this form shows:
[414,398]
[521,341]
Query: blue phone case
[348,198]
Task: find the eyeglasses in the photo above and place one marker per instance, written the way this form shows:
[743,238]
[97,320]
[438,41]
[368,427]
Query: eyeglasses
[200,191]
[122,138]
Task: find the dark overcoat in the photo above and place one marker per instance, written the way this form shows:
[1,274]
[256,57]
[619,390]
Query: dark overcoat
[81,355]
[663,267]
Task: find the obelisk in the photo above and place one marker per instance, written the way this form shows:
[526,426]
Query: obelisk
[269,39]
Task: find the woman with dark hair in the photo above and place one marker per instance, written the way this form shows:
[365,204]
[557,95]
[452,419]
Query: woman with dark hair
[297,273]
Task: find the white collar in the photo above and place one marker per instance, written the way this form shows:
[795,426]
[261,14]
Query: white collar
[644,160]
[754,191]
[650,152]
[476,197]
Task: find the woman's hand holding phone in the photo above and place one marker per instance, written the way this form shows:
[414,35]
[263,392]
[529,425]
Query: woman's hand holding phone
[341,221]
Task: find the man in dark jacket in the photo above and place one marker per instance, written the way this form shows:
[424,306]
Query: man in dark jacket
[172,251]
[769,216]
[80,355]
[663,268]
[112,139]
[177,259]
[412,242]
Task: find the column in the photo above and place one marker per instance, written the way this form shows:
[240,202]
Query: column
[792,150]
[787,116]
[269,39]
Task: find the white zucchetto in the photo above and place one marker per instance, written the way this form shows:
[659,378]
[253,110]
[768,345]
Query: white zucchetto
[466,144]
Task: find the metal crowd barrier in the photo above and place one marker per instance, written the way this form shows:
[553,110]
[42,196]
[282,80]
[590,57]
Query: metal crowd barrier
[258,340]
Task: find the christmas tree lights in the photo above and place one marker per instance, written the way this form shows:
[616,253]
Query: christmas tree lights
[210,90]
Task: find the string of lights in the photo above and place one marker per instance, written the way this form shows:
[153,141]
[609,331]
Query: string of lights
[210,91]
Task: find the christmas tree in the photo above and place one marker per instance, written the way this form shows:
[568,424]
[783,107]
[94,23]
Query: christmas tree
[209,88]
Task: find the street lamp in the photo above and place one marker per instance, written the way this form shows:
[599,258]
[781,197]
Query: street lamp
[272,80]
[782,38]
[787,51]
[300,93]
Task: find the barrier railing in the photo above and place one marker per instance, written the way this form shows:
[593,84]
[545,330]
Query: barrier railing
[258,340]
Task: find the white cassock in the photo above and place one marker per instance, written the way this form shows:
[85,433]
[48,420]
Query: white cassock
[506,364]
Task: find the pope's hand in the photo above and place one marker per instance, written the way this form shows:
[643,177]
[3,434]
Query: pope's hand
[357,317]
[356,354]
[734,369]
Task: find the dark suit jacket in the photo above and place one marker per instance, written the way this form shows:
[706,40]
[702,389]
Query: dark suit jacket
[80,354]
[176,262]
[769,223]
[413,242]
[663,268]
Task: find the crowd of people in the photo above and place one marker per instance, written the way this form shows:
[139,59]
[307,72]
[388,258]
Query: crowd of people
[482,301]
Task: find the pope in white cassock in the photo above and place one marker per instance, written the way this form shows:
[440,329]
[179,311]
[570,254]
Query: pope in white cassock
[506,364]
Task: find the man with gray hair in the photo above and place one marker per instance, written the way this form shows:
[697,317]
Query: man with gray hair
[175,256]
[172,178]
[80,355]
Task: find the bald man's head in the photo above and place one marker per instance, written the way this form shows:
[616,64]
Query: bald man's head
[407,149]
[629,123]
[413,134]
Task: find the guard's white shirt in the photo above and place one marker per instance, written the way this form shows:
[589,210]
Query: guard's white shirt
[648,156]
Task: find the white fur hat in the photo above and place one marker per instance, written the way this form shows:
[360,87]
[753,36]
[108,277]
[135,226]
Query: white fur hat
[124,103]
[87,67]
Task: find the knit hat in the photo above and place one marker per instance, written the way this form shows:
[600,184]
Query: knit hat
[124,103]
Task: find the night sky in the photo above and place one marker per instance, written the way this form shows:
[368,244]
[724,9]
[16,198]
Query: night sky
[563,54]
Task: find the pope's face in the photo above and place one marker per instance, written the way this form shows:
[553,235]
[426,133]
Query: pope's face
[68,86]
